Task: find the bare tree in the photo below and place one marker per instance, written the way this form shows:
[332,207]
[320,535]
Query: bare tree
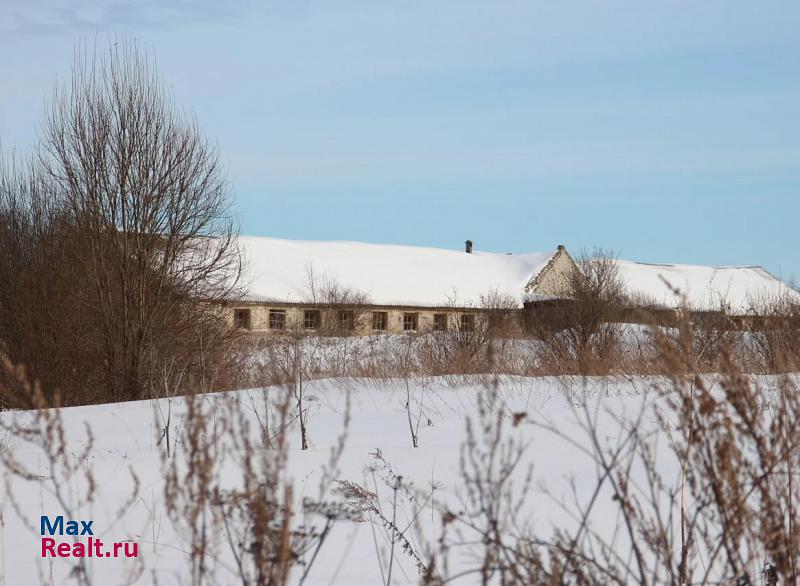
[342,310]
[583,334]
[149,202]
[774,336]
[315,341]
[38,310]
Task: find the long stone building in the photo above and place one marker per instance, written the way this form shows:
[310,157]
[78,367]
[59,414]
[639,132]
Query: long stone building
[360,288]
[736,291]
[365,288]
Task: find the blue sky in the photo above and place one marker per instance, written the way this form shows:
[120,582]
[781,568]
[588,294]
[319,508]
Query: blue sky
[667,132]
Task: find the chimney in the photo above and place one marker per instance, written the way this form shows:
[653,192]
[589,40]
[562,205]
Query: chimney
[468,246]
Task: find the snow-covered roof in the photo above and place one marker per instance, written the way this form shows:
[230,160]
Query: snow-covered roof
[736,289]
[278,270]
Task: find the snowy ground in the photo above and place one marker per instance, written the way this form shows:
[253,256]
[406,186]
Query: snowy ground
[126,436]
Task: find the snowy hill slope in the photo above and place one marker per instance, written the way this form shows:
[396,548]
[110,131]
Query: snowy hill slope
[129,438]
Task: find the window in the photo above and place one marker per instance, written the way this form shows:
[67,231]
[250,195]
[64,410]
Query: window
[379,321]
[346,320]
[439,322]
[241,319]
[277,319]
[467,322]
[410,322]
[311,319]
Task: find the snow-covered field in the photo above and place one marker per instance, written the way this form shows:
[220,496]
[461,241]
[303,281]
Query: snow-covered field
[126,439]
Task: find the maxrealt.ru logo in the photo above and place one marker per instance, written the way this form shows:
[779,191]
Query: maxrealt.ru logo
[75,547]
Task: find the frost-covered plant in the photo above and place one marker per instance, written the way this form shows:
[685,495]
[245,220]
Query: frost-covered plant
[70,480]
[228,490]
[405,503]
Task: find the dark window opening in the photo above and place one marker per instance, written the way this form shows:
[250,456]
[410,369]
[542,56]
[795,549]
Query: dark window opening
[379,321]
[241,318]
[346,320]
[410,322]
[311,319]
[439,322]
[467,322]
[277,319]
